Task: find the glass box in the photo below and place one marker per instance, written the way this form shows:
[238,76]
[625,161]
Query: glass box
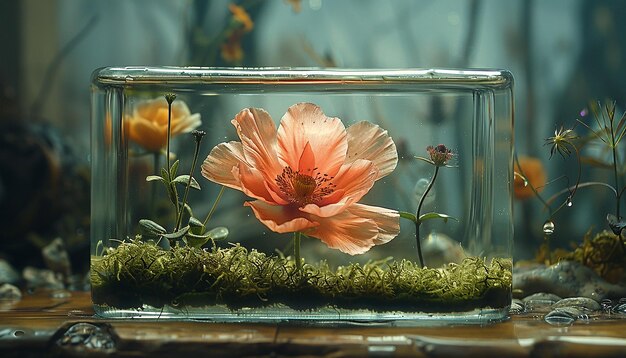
[277,194]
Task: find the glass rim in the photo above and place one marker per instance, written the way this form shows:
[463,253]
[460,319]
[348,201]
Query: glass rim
[139,75]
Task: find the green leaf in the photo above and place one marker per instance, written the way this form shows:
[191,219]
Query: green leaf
[150,227]
[407,215]
[178,234]
[174,169]
[218,233]
[194,240]
[172,194]
[154,178]
[433,215]
[425,160]
[196,226]
[165,175]
[188,209]
[184,179]
[193,222]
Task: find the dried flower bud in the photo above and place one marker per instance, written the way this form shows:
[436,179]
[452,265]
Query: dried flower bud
[170,97]
[198,135]
[439,155]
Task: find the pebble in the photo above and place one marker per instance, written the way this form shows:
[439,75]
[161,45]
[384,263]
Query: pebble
[56,257]
[584,303]
[438,249]
[517,307]
[564,316]
[540,302]
[7,273]
[566,279]
[36,278]
[10,292]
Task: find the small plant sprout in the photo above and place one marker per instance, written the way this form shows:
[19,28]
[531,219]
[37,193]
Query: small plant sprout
[606,130]
[439,156]
[193,234]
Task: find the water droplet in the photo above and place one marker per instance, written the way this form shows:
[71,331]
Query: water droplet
[568,202]
[548,228]
[562,316]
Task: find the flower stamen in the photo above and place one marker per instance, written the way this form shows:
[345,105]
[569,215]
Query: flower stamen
[303,189]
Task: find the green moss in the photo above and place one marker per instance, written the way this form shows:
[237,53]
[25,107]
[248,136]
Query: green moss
[604,253]
[137,273]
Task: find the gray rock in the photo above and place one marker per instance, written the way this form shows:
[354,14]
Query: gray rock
[7,273]
[540,302]
[566,279]
[584,303]
[10,292]
[56,257]
[564,316]
[439,249]
[517,307]
[36,278]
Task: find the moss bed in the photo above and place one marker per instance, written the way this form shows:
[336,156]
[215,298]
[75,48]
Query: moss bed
[137,273]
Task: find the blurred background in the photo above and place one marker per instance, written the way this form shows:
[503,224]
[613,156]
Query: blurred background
[563,53]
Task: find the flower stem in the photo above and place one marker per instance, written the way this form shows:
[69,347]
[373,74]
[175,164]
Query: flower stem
[155,163]
[296,250]
[217,200]
[193,168]
[417,215]
[170,97]
[613,147]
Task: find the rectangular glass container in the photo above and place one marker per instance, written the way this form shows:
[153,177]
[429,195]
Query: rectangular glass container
[303,199]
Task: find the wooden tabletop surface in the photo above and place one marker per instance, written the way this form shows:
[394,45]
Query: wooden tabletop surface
[46,324]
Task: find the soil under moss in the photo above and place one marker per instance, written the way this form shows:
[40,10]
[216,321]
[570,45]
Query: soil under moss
[138,273]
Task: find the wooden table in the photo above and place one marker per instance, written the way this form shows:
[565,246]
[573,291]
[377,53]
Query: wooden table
[38,325]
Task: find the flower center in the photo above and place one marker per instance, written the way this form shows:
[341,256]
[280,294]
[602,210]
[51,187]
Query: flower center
[303,189]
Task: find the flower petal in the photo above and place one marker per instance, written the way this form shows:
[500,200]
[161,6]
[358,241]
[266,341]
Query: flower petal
[279,218]
[387,220]
[147,134]
[254,185]
[218,165]
[257,131]
[346,232]
[306,123]
[353,180]
[369,141]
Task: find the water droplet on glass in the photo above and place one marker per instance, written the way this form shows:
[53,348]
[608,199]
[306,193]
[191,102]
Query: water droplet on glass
[548,228]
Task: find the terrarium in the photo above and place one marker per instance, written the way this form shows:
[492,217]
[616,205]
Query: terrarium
[309,195]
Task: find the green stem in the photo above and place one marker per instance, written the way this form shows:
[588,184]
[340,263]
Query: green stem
[217,200]
[296,250]
[417,215]
[574,188]
[615,172]
[193,168]
[170,97]
[155,163]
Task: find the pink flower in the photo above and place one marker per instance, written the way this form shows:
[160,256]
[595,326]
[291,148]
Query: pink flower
[309,175]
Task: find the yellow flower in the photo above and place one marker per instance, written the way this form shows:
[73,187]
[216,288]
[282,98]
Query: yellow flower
[231,49]
[532,170]
[241,16]
[148,124]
